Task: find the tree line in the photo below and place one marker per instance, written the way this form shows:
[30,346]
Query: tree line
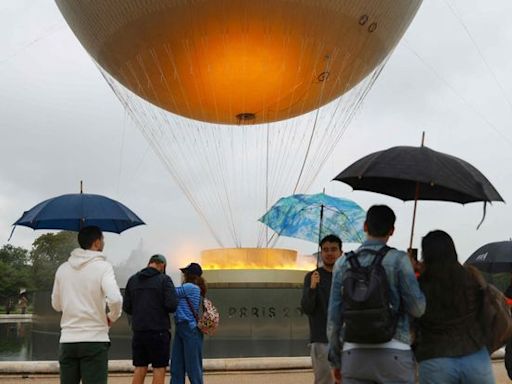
[32,269]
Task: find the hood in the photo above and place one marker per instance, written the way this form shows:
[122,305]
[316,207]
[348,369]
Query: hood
[80,257]
[148,273]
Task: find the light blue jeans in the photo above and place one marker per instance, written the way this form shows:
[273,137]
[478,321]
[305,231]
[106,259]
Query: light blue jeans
[470,369]
[187,355]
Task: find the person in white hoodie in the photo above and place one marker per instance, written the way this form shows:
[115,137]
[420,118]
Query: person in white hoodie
[86,292]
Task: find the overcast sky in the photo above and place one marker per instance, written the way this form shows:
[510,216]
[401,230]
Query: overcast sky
[60,123]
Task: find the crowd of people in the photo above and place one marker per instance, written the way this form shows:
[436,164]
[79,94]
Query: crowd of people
[371,318]
[87,294]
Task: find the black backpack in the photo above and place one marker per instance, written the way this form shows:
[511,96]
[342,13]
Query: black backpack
[367,312]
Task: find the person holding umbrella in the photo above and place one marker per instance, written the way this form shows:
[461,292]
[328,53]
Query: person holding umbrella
[508,346]
[84,286]
[451,345]
[314,303]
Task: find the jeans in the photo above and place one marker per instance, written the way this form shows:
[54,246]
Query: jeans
[83,361]
[187,355]
[470,369]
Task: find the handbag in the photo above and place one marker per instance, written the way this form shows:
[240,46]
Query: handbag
[495,316]
[208,319]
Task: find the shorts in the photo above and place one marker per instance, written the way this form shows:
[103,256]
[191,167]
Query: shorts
[151,347]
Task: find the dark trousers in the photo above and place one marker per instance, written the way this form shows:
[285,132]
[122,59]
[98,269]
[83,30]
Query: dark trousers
[83,361]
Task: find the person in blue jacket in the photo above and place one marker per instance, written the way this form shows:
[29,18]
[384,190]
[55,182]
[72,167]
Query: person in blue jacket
[187,348]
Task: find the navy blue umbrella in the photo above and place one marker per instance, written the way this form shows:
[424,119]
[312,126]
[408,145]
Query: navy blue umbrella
[74,211]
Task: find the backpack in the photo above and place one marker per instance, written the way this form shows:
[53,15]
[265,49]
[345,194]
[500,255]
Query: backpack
[495,316]
[367,312]
[208,317]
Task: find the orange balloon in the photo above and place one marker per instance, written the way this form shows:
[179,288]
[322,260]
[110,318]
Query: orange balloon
[239,61]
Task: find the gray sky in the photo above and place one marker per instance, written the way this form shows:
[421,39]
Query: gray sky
[60,123]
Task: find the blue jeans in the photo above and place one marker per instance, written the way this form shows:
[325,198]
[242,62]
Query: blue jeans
[470,369]
[187,355]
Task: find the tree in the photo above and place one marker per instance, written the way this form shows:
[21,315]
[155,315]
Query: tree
[14,264]
[48,252]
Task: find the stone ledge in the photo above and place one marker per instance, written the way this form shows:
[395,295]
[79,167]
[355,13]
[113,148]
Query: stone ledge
[16,316]
[212,365]
[209,365]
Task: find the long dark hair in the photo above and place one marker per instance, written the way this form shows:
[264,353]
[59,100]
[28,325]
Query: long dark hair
[197,280]
[444,278]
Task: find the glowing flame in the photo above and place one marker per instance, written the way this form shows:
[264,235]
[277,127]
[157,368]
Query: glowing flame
[253,258]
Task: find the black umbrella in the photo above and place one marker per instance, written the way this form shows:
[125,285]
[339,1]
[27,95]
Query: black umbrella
[419,173]
[493,257]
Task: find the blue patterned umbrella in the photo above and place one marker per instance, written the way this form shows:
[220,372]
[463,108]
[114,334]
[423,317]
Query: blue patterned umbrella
[311,217]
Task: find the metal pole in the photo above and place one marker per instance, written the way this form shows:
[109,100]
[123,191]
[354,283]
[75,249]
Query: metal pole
[320,234]
[416,197]
[81,192]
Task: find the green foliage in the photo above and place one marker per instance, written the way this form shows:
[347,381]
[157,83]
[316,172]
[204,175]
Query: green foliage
[16,273]
[33,270]
[48,252]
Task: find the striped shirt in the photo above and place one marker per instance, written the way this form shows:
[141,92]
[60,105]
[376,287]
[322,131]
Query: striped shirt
[183,312]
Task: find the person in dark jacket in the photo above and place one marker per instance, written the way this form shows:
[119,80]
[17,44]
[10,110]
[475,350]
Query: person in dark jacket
[508,347]
[149,298]
[315,300]
[450,341]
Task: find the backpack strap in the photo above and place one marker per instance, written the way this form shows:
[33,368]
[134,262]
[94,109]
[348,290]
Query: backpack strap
[194,313]
[352,260]
[379,255]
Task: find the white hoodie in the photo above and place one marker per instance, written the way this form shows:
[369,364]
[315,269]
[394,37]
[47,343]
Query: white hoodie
[82,288]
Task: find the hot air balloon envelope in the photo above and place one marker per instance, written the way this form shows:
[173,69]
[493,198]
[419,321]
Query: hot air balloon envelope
[239,61]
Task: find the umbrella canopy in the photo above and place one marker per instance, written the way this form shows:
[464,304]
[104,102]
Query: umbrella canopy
[411,173]
[74,211]
[311,217]
[493,257]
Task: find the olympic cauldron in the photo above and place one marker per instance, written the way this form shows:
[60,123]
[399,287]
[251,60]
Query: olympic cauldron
[257,292]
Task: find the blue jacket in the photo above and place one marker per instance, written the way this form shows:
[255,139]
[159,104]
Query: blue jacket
[404,289]
[183,312]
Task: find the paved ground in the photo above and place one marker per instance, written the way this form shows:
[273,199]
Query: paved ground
[272,377]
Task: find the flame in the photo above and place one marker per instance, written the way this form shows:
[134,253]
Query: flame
[253,258]
[241,265]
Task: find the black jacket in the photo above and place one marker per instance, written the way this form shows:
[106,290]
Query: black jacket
[149,298]
[457,331]
[315,303]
